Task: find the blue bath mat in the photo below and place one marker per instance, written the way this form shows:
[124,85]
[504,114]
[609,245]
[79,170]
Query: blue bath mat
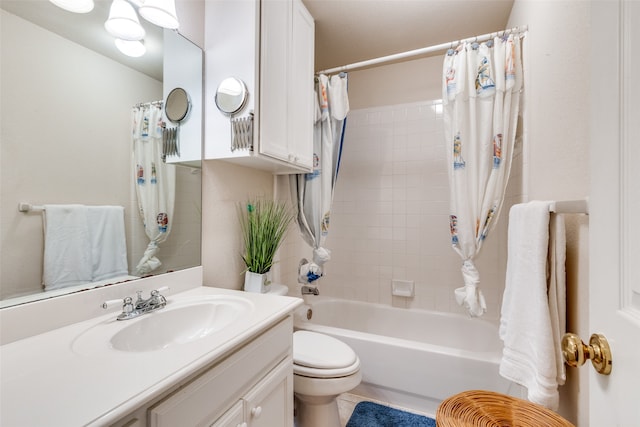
[369,414]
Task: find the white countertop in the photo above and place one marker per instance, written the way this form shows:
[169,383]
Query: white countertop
[46,381]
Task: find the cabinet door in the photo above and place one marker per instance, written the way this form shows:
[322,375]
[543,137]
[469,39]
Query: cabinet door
[275,29]
[234,417]
[270,402]
[301,99]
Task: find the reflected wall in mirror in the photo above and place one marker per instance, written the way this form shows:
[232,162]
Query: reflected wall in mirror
[66,138]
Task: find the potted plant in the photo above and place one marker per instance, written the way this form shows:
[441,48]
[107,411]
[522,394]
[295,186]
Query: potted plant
[264,224]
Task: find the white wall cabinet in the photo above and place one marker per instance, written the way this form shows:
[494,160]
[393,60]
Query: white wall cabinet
[269,44]
[251,387]
[182,68]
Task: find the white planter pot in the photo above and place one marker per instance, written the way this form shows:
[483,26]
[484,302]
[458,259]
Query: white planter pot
[254,282]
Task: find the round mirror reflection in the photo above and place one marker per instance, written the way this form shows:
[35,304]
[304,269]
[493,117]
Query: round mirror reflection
[231,95]
[177,105]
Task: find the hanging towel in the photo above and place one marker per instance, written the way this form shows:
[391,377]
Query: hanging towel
[533,307]
[83,244]
[108,242]
[67,248]
[558,289]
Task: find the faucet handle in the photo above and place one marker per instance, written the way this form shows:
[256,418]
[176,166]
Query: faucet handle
[110,303]
[162,289]
[127,305]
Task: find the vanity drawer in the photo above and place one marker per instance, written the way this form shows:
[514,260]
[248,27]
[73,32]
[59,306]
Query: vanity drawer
[203,400]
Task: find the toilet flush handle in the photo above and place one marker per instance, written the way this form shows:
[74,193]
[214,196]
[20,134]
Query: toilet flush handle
[255,412]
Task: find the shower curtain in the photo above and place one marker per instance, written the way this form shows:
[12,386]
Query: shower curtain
[155,182]
[481,93]
[312,193]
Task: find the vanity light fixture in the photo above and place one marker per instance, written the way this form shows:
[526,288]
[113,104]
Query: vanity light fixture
[160,12]
[76,6]
[133,48]
[123,22]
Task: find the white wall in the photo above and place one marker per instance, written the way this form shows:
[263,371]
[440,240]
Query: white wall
[558,58]
[225,185]
[51,104]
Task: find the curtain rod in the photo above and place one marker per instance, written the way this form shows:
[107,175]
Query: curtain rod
[421,51]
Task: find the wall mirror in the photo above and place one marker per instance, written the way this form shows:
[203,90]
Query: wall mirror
[68,97]
[231,95]
[177,105]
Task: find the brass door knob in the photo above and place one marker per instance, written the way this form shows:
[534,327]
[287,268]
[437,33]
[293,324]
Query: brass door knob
[575,352]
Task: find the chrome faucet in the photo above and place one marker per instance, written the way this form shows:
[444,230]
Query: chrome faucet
[310,290]
[131,310]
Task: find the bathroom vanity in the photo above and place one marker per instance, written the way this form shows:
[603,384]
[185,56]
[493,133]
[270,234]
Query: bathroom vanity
[211,357]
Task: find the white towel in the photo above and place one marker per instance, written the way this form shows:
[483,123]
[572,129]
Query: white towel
[67,249]
[533,313]
[83,244]
[108,242]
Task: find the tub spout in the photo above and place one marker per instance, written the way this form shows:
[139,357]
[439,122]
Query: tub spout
[310,290]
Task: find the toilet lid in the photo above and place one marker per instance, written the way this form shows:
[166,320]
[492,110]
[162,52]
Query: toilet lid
[320,351]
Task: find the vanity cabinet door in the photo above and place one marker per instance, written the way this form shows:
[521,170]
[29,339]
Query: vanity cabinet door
[202,401]
[234,417]
[270,402]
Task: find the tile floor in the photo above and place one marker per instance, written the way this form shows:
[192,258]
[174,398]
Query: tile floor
[348,401]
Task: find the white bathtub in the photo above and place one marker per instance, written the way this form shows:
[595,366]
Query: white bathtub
[412,358]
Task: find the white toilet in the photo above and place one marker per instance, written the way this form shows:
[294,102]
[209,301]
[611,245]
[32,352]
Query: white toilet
[323,368]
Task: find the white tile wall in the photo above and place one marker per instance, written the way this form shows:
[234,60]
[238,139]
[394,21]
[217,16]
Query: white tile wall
[390,215]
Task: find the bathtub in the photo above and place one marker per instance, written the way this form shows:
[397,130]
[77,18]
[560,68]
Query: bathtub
[411,358]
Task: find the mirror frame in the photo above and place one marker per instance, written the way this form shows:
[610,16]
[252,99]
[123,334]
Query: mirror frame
[229,104]
[175,100]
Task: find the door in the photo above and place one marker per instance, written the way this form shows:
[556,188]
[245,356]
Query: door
[270,402]
[614,227]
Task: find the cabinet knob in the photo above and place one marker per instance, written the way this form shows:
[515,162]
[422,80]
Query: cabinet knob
[255,412]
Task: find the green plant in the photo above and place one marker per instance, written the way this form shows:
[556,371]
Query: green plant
[264,224]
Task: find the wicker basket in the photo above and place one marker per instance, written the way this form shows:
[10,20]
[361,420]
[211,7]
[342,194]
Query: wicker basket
[478,408]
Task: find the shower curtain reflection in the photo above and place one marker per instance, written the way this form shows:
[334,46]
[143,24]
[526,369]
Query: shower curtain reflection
[155,181]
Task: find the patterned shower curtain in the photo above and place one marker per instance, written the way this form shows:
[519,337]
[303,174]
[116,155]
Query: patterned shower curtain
[481,94]
[312,193]
[155,182]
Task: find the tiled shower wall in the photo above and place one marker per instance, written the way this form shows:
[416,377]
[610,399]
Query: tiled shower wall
[390,215]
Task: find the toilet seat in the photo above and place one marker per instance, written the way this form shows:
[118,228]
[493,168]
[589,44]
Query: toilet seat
[321,356]
[326,373]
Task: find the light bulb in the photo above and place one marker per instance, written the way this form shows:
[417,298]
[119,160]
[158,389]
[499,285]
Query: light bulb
[160,12]
[123,22]
[76,6]
[133,48]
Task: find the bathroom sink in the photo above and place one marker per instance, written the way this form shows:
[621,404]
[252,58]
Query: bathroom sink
[179,323]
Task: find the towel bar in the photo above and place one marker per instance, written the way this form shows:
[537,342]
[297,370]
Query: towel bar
[570,206]
[28,207]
